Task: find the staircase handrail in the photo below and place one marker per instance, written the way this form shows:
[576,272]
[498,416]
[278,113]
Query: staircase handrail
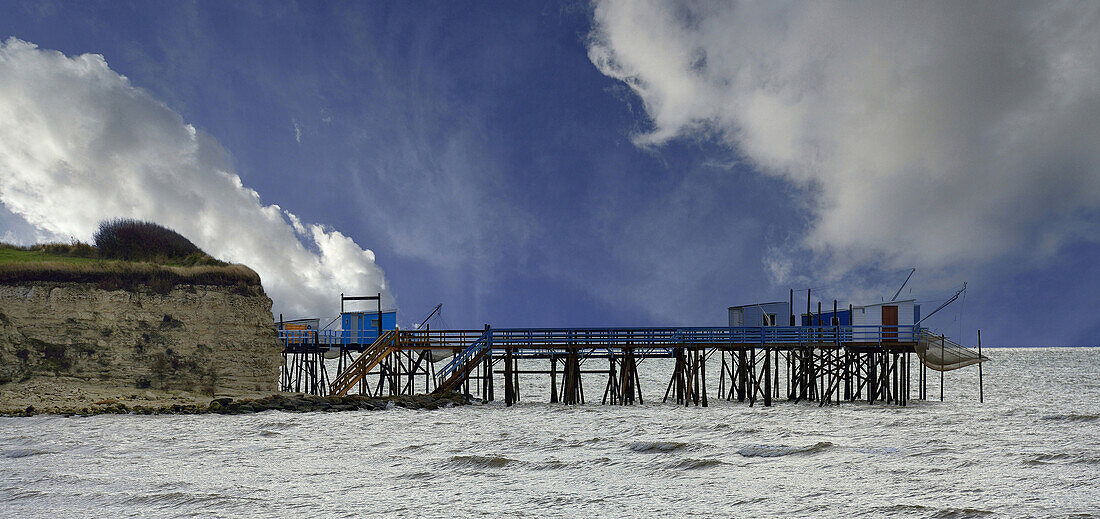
[362,364]
[462,357]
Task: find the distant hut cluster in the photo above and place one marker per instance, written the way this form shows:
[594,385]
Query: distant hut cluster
[779,313]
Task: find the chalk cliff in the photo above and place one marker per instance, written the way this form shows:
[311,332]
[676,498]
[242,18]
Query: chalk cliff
[193,343]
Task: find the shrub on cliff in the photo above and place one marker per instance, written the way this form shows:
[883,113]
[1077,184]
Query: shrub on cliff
[135,240]
[128,254]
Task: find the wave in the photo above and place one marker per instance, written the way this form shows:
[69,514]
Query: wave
[165,500]
[1072,417]
[879,451]
[1060,457]
[419,475]
[696,463]
[960,513]
[549,465]
[657,446]
[485,462]
[602,461]
[420,446]
[902,508]
[496,462]
[906,509]
[774,451]
[16,494]
[21,453]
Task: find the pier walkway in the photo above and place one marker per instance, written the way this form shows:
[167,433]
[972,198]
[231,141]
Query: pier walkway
[825,364]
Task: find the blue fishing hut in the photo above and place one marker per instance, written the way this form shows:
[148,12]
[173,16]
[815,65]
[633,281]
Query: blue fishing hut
[778,313]
[364,327]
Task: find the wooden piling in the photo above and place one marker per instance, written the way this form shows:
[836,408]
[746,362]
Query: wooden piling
[767,378]
[509,391]
[553,378]
[942,339]
[703,376]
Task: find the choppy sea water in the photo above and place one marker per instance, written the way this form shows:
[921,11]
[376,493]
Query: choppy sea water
[1032,449]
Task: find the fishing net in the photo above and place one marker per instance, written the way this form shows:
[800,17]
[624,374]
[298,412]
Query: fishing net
[943,354]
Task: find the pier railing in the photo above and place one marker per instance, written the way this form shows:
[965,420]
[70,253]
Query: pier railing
[561,339]
[436,339]
[564,338]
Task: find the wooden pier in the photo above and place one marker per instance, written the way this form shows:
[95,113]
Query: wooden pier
[758,365]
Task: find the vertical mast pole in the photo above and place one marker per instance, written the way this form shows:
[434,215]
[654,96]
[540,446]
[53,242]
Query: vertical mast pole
[981,389]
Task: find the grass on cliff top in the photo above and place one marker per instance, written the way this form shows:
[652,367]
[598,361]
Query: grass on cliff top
[37,254]
[127,254]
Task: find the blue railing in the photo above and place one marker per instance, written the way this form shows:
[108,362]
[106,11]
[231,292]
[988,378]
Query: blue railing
[546,339]
[528,341]
[463,357]
[328,337]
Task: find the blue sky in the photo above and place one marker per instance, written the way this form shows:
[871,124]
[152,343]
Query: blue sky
[494,161]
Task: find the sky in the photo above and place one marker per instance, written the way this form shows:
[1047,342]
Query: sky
[580,164]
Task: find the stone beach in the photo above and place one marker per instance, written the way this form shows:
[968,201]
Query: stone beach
[286,402]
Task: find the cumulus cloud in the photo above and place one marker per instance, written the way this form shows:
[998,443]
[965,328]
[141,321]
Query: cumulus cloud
[80,144]
[934,134]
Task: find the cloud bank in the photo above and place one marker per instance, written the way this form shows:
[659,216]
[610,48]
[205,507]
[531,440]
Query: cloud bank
[934,134]
[79,144]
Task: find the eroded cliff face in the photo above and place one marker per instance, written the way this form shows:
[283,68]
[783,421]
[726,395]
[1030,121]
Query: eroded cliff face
[203,340]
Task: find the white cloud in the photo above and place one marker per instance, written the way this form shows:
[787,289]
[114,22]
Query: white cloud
[80,144]
[297,131]
[934,134]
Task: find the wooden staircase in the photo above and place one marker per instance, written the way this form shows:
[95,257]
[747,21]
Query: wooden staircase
[366,361]
[459,368]
[459,375]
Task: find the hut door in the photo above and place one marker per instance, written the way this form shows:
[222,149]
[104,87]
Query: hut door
[890,317]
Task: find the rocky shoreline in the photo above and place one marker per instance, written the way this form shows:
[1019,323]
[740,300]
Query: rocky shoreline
[286,402]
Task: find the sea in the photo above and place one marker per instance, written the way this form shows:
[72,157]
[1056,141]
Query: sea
[1032,449]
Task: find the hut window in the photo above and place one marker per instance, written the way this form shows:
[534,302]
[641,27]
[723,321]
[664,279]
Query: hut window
[374,323]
